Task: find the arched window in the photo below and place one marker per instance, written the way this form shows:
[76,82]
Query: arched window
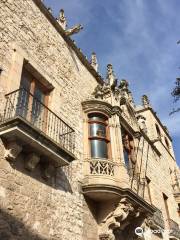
[158,131]
[98,135]
[167,143]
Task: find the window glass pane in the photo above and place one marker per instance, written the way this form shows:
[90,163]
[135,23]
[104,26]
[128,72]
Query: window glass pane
[126,159]
[97,130]
[26,80]
[98,149]
[37,107]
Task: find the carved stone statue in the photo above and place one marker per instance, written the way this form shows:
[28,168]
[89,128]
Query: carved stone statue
[110,75]
[62,19]
[94,62]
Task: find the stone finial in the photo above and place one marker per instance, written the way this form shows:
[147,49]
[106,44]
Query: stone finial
[110,74]
[62,19]
[123,85]
[145,101]
[130,98]
[94,62]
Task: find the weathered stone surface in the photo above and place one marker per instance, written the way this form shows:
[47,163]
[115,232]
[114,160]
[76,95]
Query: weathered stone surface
[54,208]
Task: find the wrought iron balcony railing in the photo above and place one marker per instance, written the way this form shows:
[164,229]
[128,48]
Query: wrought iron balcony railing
[174,227]
[23,104]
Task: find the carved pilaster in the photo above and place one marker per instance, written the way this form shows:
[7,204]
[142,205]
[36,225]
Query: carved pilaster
[31,161]
[12,151]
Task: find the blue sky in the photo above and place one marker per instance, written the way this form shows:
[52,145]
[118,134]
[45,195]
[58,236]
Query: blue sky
[139,37]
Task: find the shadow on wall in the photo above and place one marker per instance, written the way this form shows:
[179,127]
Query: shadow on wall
[13,229]
[60,179]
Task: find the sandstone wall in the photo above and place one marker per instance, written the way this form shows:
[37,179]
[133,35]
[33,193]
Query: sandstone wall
[31,207]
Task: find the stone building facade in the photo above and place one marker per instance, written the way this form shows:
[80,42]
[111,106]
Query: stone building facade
[79,160]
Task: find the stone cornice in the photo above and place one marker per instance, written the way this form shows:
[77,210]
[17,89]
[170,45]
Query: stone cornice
[121,192]
[68,40]
[96,105]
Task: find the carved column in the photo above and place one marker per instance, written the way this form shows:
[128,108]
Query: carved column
[12,151]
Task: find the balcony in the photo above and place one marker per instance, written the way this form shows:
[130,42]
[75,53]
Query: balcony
[106,180]
[100,179]
[175,231]
[27,125]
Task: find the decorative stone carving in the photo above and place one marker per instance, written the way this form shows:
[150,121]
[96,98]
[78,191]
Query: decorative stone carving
[145,101]
[32,161]
[94,62]
[101,90]
[175,182]
[12,151]
[93,105]
[156,221]
[48,171]
[106,236]
[74,30]
[124,85]
[142,124]
[62,19]
[63,22]
[114,219]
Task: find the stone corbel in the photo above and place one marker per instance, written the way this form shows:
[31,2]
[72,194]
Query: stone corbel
[32,161]
[48,171]
[12,151]
[114,219]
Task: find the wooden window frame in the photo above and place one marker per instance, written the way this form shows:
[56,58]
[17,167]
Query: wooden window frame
[105,139]
[33,83]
